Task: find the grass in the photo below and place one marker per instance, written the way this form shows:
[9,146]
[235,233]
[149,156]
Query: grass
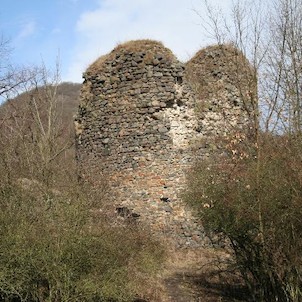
[134,46]
[59,249]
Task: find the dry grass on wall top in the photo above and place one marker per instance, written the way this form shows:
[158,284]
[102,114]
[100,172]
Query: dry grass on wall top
[150,47]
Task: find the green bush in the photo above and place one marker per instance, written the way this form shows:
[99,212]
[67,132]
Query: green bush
[55,243]
[59,249]
[255,202]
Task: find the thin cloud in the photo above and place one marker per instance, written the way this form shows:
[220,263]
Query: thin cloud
[114,21]
[56,30]
[27,30]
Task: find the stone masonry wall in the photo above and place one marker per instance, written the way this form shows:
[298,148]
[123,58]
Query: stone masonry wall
[225,91]
[138,124]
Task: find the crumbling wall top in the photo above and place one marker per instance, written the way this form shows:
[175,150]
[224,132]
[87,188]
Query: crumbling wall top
[149,48]
[219,67]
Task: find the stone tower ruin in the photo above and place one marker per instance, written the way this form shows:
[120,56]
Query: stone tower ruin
[144,117]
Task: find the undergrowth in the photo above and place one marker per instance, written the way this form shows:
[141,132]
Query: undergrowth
[254,200]
[57,249]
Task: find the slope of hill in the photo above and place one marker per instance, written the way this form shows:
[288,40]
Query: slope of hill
[36,130]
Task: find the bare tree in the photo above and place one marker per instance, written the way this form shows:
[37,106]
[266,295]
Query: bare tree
[11,77]
[34,135]
[283,64]
[273,44]
[270,36]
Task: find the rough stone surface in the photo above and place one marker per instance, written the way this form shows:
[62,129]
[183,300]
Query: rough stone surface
[140,116]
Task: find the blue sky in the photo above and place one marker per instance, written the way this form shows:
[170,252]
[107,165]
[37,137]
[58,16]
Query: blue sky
[79,31]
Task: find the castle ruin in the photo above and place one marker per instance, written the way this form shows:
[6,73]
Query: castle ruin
[144,118]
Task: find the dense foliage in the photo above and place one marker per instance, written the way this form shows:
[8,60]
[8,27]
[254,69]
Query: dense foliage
[254,200]
[59,249]
[56,242]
